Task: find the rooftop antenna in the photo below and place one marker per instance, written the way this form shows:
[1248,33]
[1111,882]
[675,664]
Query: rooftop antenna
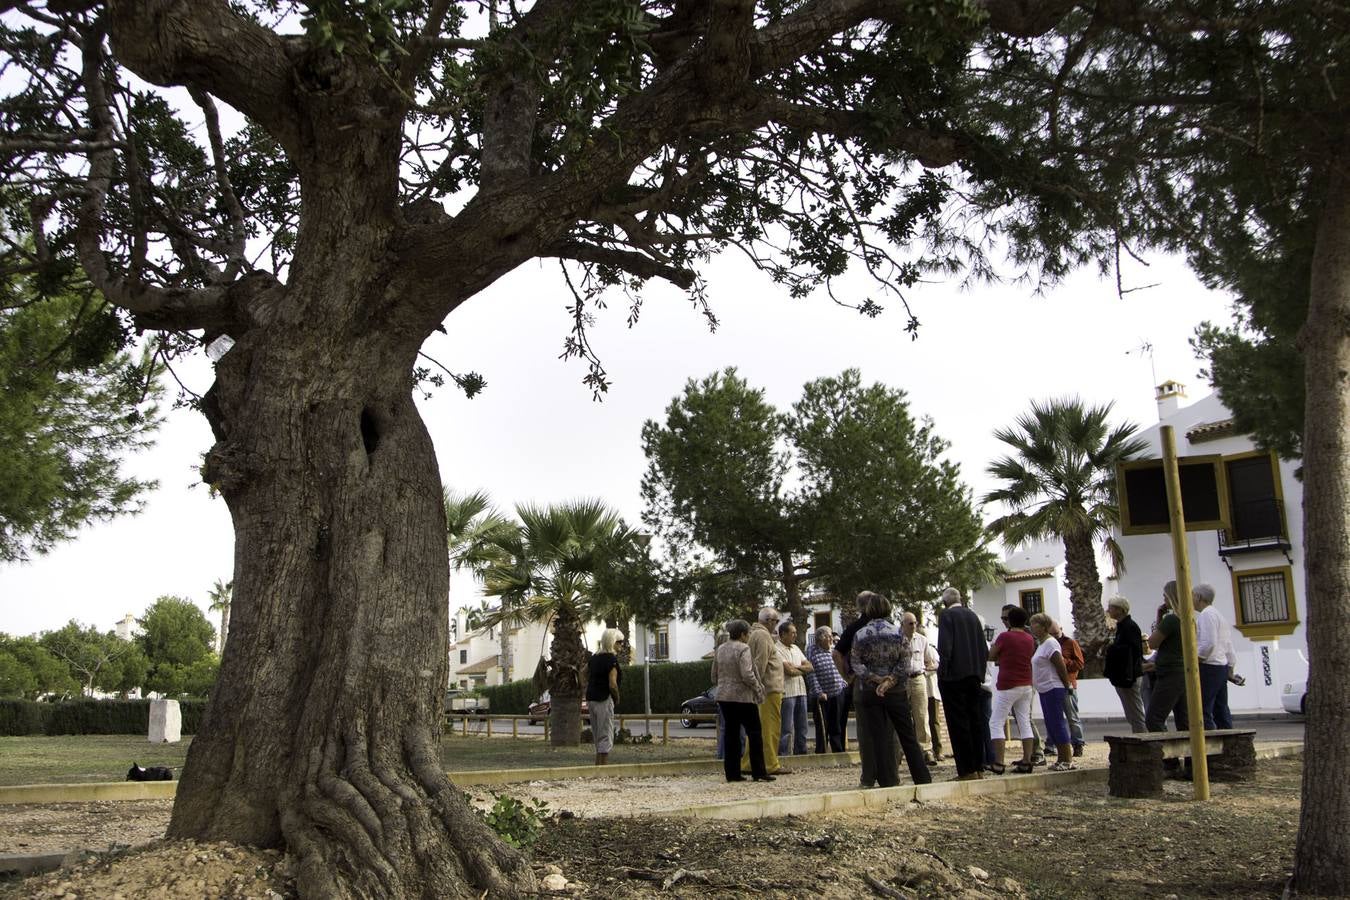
[1146,349]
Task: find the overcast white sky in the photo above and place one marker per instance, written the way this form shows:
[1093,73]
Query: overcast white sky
[535,434]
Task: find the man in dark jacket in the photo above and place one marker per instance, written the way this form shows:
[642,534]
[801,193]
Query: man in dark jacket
[962,655]
[1125,662]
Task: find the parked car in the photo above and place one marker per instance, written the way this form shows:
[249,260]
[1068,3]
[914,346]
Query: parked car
[539,710]
[704,704]
[1295,697]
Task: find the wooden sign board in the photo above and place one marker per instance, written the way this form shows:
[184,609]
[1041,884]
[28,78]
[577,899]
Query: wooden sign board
[1142,493]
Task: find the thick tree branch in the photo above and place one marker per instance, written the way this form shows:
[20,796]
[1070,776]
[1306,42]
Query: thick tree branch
[206,45]
[513,89]
[633,263]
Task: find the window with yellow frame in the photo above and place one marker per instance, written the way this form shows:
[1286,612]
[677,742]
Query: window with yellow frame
[1263,600]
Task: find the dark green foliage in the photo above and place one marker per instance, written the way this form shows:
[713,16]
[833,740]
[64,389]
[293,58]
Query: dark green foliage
[512,699]
[21,717]
[672,684]
[29,670]
[72,403]
[176,639]
[97,660]
[846,492]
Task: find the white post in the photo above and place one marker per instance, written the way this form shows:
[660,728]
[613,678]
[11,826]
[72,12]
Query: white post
[166,722]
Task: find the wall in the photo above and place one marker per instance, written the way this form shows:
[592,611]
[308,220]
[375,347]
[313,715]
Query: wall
[1149,565]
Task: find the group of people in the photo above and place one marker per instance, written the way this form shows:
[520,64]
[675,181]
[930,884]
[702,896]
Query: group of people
[1152,686]
[767,687]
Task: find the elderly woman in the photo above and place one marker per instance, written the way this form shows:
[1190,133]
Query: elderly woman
[1012,651]
[879,658]
[740,690]
[1050,678]
[602,692]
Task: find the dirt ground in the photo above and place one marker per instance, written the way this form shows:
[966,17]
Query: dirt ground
[1072,843]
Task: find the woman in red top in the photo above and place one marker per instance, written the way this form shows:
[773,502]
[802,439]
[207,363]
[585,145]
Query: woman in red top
[1012,651]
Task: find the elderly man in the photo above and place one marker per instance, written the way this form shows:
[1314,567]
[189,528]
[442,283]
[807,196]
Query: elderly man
[921,661]
[1074,661]
[825,688]
[963,654]
[770,668]
[1214,646]
[796,668]
[1125,662]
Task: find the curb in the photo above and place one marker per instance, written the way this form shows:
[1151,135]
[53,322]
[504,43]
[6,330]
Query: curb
[88,793]
[808,804]
[635,770]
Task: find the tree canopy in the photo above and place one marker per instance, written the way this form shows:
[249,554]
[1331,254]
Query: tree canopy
[177,641]
[846,492]
[72,404]
[396,158]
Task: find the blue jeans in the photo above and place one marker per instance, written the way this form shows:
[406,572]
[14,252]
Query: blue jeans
[1214,696]
[1071,716]
[794,726]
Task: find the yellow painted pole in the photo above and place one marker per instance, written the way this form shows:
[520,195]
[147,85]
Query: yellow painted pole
[665,731]
[489,726]
[515,727]
[1186,612]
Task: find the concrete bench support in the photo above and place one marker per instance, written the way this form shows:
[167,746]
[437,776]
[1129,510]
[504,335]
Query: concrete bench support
[1137,759]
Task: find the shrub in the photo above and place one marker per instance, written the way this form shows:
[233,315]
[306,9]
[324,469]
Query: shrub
[672,684]
[517,823]
[22,717]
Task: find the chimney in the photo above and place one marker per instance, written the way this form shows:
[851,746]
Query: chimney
[1169,395]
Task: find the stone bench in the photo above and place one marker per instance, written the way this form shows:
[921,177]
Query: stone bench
[1137,759]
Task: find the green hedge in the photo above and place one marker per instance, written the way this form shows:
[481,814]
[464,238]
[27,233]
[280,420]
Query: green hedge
[672,684]
[511,699]
[23,717]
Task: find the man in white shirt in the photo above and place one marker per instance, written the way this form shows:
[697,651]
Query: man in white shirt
[1214,646]
[795,668]
[922,659]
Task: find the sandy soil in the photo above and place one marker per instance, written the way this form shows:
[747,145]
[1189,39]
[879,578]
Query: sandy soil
[1072,843]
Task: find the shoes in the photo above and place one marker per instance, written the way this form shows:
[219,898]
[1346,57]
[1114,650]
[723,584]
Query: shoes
[931,760]
[737,778]
[1063,767]
[1021,767]
[765,778]
[997,768]
[1038,759]
[1077,749]
[782,771]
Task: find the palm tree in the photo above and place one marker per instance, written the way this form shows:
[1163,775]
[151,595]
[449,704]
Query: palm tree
[222,592]
[1061,484]
[546,573]
[472,528]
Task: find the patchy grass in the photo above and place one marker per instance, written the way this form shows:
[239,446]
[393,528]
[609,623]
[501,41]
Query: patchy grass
[77,759]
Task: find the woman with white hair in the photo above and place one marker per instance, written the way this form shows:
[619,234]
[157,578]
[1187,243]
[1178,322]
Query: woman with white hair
[602,692]
[1125,662]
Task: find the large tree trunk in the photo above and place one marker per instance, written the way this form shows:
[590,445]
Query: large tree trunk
[321,731]
[566,679]
[1085,599]
[1322,858]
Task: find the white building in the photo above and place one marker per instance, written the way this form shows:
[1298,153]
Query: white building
[1256,567]
[476,657]
[1034,580]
